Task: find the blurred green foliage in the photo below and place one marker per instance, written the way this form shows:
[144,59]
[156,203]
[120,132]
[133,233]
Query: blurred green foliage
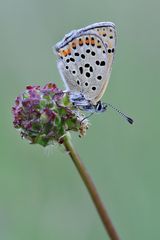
[42,196]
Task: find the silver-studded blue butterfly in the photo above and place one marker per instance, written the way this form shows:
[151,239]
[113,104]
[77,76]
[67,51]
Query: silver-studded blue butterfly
[85,58]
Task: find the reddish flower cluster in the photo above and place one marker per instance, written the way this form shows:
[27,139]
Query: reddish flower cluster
[44,114]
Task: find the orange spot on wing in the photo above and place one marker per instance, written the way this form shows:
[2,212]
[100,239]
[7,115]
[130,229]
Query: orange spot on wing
[92,42]
[80,42]
[69,51]
[65,53]
[74,44]
[87,41]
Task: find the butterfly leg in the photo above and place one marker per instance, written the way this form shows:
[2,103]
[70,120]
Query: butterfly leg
[87,117]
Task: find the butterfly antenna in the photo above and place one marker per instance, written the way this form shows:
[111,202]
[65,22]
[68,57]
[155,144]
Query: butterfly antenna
[130,120]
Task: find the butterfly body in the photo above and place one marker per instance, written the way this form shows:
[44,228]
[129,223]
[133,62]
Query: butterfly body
[85,58]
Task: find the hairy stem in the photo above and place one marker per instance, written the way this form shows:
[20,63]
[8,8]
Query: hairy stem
[91,189]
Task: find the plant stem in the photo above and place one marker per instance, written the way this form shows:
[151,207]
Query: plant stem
[91,189]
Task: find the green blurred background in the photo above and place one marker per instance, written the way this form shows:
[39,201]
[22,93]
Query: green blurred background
[41,194]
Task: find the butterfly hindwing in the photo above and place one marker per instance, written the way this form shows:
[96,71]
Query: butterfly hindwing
[106,31]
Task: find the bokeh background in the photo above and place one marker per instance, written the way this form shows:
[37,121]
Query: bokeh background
[41,194]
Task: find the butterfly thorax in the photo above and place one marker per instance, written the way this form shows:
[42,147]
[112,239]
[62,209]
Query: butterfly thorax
[80,102]
[98,108]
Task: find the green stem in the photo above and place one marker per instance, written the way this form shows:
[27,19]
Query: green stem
[91,189]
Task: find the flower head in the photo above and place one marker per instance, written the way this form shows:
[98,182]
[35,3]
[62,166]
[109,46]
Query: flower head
[45,114]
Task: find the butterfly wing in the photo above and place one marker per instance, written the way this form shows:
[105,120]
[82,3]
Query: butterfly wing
[85,59]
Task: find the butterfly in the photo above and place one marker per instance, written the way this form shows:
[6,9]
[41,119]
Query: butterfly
[85,58]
